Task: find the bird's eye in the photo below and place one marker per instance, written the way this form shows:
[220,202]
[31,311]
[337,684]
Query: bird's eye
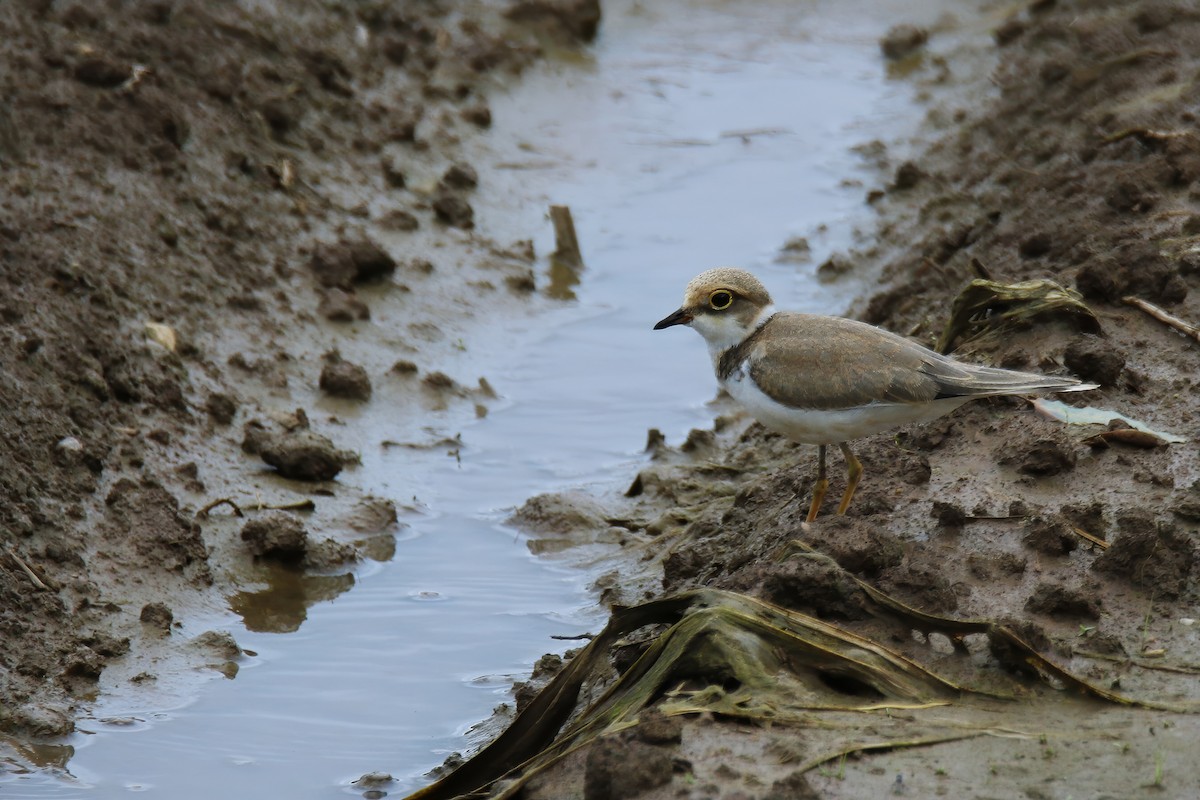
[720,300]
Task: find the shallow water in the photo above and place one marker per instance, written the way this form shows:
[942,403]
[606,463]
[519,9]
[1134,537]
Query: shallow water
[694,134]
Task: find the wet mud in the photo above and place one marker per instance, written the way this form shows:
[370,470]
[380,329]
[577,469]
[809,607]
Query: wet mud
[178,239]
[1080,165]
[194,198]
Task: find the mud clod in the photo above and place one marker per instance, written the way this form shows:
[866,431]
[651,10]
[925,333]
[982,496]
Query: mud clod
[949,516]
[454,211]
[908,175]
[301,454]
[814,585]
[1009,31]
[221,408]
[1188,504]
[460,176]
[990,566]
[655,727]
[1035,245]
[793,787]
[857,546]
[1150,554]
[1051,535]
[903,40]
[350,261]
[921,586]
[400,220]
[102,71]
[1057,600]
[1094,359]
[574,20]
[619,768]
[157,616]
[478,115]
[1050,455]
[339,305]
[218,644]
[276,535]
[344,379]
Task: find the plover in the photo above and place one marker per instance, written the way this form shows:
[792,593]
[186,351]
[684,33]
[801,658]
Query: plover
[829,380]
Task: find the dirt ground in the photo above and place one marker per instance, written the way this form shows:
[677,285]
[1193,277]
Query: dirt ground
[198,199]
[1082,167]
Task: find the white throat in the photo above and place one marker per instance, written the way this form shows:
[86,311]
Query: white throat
[722,332]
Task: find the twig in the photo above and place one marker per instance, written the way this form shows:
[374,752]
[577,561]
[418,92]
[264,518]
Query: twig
[25,568]
[224,501]
[566,244]
[1186,328]
[307,504]
[1145,133]
[1081,533]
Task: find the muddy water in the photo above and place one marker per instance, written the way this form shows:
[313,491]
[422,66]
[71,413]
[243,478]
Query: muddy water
[694,134]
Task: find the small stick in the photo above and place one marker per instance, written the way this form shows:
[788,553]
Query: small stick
[1187,329]
[307,504]
[1081,533]
[25,568]
[224,501]
[566,244]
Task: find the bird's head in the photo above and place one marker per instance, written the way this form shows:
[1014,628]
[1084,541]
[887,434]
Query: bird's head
[724,305]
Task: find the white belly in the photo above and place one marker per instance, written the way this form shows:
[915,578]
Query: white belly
[832,426]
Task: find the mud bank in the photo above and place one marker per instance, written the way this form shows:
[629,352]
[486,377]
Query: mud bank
[1078,164]
[198,203]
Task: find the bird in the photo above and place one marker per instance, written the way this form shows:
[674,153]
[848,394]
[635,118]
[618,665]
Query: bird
[825,380]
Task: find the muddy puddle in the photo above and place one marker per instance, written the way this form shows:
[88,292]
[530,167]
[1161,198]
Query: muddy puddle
[691,135]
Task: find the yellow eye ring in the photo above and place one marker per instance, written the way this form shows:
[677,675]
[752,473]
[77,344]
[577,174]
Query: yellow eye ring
[721,299]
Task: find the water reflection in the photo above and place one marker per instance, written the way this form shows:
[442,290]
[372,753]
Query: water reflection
[18,757]
[283,605]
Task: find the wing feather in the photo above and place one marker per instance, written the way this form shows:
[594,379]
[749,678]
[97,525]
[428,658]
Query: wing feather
[817,362]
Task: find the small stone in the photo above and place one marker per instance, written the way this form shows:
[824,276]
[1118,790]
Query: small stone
[903,40]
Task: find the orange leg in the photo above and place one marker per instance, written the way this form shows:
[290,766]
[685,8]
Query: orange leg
[821,486]
[853,474]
